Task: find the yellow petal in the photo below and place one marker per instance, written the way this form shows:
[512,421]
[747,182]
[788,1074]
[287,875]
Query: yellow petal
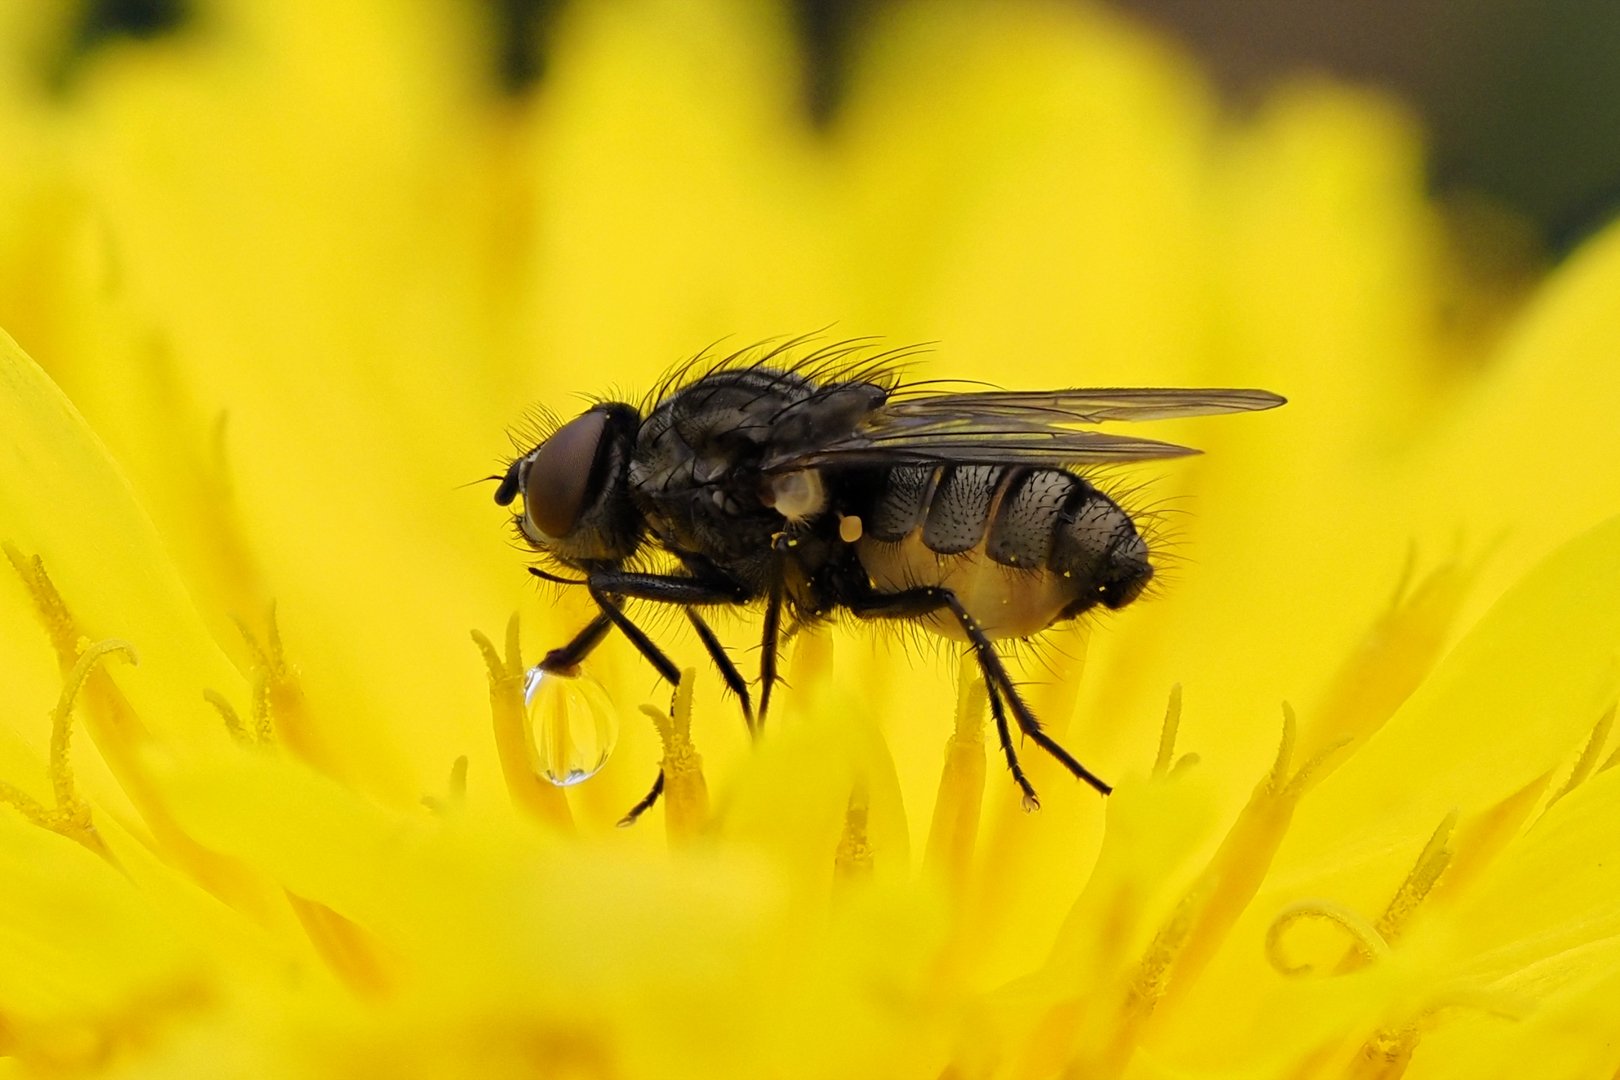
[65,501]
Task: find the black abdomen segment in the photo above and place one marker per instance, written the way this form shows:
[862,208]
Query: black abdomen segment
[1026,527]
[1026,519]
[1030,518]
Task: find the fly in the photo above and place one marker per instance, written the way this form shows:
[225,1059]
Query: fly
[822,485]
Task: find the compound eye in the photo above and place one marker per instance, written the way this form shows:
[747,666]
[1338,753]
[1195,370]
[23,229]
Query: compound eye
[560,471]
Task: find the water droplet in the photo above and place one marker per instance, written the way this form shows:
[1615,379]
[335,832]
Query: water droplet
[572,726]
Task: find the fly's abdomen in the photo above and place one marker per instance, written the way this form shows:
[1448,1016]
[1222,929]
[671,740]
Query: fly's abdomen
[1098,548]
[1022,548]
[1028,517]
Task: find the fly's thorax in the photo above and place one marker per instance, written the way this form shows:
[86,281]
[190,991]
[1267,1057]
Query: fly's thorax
[698,472]
[575,488]
[1022,548]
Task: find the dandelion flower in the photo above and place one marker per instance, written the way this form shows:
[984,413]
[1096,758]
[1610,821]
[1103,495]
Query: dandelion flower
[266,810]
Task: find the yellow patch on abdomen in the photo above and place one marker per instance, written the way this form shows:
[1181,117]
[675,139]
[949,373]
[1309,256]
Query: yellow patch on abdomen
[1006,602]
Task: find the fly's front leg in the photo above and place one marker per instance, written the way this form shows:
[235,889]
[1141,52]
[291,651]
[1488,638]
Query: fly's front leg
[608,586]
[646,802]
[665,667]
[565,659]
[668,588]
[704,587]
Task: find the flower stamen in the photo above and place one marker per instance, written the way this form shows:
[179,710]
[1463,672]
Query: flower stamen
[347,948]
[1373,940]
[1586,763]
[49,606]
[854,861]
[1431,862]
[1482,835]
[279,705]
[70,816]
[1164,760]
[233,720]
[686,793]
[542,801]
[121,737]
[1395,655]
[1388,1051]
[455,796]
[1209,909]
[954,829]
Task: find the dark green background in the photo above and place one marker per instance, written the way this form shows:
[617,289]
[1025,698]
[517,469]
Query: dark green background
[1521,97]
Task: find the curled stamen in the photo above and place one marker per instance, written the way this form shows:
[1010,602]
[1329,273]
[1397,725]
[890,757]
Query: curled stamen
[1364,937]
[62,717]
[70,817]
[233,720]
[1390,1048]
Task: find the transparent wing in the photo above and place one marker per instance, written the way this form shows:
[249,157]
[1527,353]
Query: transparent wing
[1018,427]
[1047,407]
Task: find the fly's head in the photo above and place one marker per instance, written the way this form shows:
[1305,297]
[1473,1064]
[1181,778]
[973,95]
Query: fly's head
[575,488]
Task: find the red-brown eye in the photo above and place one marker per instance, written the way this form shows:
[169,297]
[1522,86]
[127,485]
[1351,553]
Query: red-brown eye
[554,490]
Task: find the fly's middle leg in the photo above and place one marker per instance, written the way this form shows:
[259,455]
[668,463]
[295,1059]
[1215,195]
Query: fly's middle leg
[608,586]
[665,667]
[728,671]
[769,646]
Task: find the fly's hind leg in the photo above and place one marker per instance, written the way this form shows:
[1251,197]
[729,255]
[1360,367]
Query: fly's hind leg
[926,599]
[999,712]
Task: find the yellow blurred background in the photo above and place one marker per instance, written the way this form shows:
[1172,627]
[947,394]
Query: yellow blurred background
[298,267]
